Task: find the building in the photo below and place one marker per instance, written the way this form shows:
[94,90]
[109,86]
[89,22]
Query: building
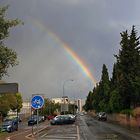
[26,107]
[80,104]
[57,100]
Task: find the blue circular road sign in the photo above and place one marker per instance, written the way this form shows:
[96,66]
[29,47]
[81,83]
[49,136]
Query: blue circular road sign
[37,102]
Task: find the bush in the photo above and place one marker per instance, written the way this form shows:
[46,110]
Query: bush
[136,112]
[127,112]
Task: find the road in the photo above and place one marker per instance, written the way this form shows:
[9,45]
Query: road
[93,129]
[85,128]
[88,128]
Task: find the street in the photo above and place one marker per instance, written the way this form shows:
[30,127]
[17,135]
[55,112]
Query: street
[98,130]
[85,128]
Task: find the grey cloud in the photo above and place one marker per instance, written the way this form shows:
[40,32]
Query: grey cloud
[91,28]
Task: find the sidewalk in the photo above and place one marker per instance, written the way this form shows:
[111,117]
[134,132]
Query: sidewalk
[23,132]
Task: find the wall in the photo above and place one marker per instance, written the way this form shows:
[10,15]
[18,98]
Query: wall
[122,119]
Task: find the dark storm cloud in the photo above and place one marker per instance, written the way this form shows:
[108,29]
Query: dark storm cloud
[90,27]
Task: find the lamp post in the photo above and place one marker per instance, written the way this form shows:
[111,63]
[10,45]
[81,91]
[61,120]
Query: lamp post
[64,93]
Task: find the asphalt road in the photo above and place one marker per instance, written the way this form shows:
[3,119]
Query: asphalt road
[85,128]
[93,129]
[88,128]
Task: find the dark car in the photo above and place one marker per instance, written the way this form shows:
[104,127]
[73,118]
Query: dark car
[32,120]
[62,119]
[18,118]
[102,116]
[10,125]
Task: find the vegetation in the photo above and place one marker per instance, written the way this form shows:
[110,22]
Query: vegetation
[121,92]
[8,58]
[10,101]
[49,108]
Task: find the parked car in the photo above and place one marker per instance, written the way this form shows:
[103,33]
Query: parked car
[42,118]
[102,116]
[62,119]
[73,117]
[50,117]
[10,125]
[18,118]
[32,120]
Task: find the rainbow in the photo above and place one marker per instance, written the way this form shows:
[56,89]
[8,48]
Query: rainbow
[69,50]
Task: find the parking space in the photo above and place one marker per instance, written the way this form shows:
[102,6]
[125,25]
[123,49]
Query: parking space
[63,132]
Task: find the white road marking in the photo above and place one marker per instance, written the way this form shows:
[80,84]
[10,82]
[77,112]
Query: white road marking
[44,135]
[78,134]
[61,137]
[66,136]
[8,138]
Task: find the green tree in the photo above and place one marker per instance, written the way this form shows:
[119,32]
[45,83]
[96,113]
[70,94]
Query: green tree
[115,98]
[8,57]
[4,105]
[104,90]
[49,107]
[89,100]
[115,101]
[10,101]
[128,63]
[96,98]
[17,102]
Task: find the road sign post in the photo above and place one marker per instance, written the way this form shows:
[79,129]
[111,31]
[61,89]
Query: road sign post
[37,102]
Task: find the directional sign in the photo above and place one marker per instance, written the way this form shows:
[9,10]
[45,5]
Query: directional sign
[37,102]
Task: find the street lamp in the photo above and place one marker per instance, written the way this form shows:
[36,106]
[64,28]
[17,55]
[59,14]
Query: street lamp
[63,92]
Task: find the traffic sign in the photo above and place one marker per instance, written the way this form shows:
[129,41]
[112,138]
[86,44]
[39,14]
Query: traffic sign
[37,102]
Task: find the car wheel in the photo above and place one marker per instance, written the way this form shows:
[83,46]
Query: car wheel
[10,130]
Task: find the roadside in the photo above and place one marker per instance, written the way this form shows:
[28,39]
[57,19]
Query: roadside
[23,131]
[133,129]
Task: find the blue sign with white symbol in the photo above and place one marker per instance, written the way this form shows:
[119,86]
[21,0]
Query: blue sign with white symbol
[37,102]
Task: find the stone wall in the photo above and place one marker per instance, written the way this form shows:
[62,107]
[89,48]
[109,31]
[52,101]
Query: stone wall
[122,119]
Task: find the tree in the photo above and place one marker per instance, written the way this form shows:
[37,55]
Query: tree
[8,57]
[99,98]
[96,98]
[10,101]
[122,92]
[4,105]
[49,107]
[17,103]
[104,89]
[88,104]
[115,101]
[128,63]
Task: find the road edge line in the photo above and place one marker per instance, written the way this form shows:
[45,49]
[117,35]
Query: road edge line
[78,134]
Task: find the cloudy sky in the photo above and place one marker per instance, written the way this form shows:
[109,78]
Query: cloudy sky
[91,28]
